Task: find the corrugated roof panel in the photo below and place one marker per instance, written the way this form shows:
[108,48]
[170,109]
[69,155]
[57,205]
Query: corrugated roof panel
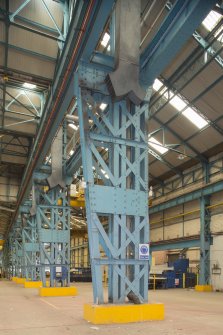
[202,81]
[173,157]
[166,113]
[2,55]
[211,104]
[183,127]
[30,65]
[206,139]
[180,58]
[158,168]
[2,31]
[30,41]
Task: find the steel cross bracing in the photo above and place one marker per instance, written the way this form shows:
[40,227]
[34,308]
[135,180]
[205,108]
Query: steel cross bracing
[30,246]
[205,241]
[40,150]
[53,228]
[121,202]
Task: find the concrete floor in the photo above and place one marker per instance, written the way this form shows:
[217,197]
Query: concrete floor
[23,312]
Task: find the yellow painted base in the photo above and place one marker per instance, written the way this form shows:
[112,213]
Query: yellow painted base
[33,284]
[57,291]
[20,280]
[107,314]
[14,279]
[204,288]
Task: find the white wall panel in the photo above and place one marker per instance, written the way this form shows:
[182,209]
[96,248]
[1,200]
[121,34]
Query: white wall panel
[192,227]
[173,231]
[217,223]
[156,234]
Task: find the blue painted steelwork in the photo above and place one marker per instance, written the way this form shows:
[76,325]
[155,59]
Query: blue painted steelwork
[12,16]
[31,254]
[53,20]
[120,203]
[205,240]
[205,191]
[178,26]
[53,227]
[62,89]
[175,245]
[202,41]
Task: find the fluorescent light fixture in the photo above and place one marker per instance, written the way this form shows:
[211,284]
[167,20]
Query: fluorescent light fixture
[106,176]
[103,171]
[157,145]
[103,106]
[195,118]
[73,126]
[210,22]
[28,85]
[105,39]
[71,152]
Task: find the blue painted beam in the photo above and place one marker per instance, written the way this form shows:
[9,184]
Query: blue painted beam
[77,42]
[175,30]
[195,243]
[205,191]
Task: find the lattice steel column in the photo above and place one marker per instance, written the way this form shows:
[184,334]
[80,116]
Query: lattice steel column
[205,237]
[53,224]
[30,245]
[7,259]
[116,148]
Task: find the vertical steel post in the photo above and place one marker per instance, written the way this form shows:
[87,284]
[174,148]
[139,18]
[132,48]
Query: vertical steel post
[116,147]
[205,237]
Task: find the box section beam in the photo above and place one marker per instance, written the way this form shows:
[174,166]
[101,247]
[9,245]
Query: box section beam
[207,190]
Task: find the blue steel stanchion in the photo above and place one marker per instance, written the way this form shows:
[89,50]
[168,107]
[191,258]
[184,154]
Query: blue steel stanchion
[53,224]
[205,240]
[116,147]
[31,249]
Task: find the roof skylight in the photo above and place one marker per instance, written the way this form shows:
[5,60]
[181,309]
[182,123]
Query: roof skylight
[195,118]
[157,145]
[157,84]
[210,22]
[177,102]
[105,39]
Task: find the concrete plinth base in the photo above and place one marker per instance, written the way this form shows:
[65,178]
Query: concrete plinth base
[33,284]
[204,288]
[108,314]
[57,291]
[20,280]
